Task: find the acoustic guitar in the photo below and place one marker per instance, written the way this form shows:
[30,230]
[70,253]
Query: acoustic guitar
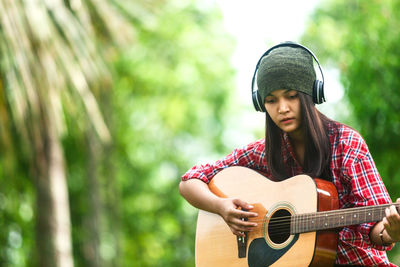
[297,223]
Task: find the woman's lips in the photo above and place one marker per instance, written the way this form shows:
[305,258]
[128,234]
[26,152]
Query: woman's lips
[287,120]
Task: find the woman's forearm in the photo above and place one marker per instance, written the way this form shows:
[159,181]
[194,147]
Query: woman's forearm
[197,193]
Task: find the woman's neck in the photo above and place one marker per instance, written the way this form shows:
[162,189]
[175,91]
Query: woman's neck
[297,140]
[297,137]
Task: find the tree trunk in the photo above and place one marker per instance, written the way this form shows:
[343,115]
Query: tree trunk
[53,235]
[92,219]
[109,182]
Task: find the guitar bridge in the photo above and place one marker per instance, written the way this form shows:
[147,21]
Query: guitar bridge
[242,243]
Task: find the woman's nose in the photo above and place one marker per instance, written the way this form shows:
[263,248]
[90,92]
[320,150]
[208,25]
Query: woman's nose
[283,107]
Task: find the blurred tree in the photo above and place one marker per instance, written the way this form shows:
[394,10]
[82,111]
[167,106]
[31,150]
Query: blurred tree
[362,39]
[51,69]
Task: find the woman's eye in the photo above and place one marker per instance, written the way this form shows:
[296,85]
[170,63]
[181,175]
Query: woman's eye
[293,96]
[269,101]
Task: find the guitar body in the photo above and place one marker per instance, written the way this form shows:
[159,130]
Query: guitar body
[216,246]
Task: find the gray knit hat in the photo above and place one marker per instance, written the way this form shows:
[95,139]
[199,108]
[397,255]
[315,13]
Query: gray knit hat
[286,68]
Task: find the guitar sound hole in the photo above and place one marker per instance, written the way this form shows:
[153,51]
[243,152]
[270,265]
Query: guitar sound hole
[279,226]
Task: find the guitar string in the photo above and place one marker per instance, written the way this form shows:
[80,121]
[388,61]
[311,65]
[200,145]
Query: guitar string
[280,228]
[281,225]
[271,232]
[302,221]
[323,214]
[307,217]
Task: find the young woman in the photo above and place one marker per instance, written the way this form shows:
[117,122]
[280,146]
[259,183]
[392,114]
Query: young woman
[301,140]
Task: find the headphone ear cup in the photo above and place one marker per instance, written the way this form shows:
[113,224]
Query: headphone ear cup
[257,102]
[318,92]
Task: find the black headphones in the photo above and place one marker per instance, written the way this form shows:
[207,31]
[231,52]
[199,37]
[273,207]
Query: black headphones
[318,88]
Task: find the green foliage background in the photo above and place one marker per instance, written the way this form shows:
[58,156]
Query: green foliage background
[172,85]
[168,107]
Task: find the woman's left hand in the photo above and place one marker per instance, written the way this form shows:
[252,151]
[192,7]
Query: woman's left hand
[392,222]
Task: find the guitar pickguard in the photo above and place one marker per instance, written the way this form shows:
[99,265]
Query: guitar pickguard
[261,254]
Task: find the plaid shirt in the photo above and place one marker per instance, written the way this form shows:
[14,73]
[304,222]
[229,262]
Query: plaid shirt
[353,173]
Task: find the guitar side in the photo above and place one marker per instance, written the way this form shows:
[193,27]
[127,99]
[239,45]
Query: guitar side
[217,246]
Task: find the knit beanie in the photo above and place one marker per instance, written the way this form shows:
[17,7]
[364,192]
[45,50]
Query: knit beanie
[286,68]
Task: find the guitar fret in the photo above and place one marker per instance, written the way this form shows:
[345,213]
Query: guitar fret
[326,224]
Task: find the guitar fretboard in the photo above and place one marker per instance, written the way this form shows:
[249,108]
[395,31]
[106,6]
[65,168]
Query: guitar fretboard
[310,222]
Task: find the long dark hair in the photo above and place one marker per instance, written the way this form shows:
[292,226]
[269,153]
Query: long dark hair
[316,139]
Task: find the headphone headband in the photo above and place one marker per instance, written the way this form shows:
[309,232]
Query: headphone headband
[318,92]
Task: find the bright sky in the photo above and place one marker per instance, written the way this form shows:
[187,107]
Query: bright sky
[258,25]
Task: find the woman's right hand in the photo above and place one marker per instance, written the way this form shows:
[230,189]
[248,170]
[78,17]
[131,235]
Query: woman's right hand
[234,211]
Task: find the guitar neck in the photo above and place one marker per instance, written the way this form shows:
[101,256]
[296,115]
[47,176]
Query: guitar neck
[325,220]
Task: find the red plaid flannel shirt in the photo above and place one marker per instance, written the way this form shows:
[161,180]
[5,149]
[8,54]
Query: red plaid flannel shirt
[353,172]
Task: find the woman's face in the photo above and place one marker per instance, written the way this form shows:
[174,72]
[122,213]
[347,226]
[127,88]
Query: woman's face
[283,106]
